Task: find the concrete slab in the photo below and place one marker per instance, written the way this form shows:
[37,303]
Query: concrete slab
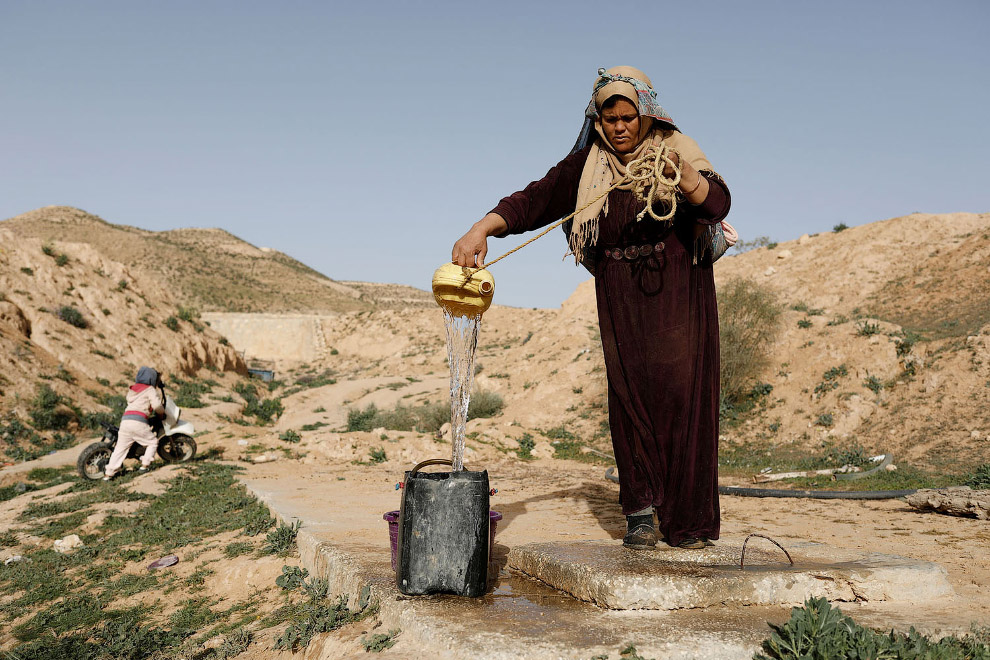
[520,617]
[523,617]
[613,577]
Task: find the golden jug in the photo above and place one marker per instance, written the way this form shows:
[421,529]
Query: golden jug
[463,291]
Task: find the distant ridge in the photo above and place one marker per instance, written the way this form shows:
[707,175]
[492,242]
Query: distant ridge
[213,270]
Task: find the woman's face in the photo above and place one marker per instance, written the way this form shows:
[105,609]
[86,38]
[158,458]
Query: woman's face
[620,122]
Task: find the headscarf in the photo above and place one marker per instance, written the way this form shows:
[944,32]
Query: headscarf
[147,376]
[604,165]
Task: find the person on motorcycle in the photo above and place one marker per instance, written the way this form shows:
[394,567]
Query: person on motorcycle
[145,398]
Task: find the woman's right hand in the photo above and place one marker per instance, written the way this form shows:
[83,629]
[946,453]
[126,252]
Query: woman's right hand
[471,248]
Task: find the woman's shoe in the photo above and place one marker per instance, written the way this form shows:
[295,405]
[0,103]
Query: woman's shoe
[107,477]
[640,533]
[143,469]
[694,544]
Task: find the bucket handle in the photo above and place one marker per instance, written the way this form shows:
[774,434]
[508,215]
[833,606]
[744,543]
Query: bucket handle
[432,461]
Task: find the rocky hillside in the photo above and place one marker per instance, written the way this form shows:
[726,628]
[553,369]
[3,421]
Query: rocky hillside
[75,324]
[883,344]
[210,269]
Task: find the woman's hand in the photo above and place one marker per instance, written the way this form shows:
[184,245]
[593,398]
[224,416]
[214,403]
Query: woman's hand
[692,185]
[471,248]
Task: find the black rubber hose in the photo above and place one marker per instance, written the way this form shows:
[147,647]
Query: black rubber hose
[817,494]
[806,494]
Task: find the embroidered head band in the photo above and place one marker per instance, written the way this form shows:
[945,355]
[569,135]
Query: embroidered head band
[645,95]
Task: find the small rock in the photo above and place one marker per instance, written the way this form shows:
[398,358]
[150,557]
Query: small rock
[214,642]
[242,443]
[975,435]
[783,254]
[891,468]
[804,239]
[70,542]
[20,487]
[13,559]
[265,458]
[770,271]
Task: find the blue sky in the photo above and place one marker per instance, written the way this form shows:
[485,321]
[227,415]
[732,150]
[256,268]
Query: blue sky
[364,138]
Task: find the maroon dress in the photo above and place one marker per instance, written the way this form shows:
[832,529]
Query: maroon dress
[659,328]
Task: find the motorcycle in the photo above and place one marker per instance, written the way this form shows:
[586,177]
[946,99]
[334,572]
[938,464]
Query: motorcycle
[175,443]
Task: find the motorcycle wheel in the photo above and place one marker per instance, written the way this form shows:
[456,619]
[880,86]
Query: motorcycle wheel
[93,460]
[177,448]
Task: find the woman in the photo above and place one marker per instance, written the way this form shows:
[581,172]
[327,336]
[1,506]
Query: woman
[656,302]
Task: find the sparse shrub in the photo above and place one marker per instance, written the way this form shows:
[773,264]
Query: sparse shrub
[526,446]
[980,479]
[749,319]
[27,271]
[289,436]
[72,316]
[804,323]
[840,227]
[485,404]
[48,250]
[873,384]
[172,324]
[381,641]
[816,630]
[47,411]
[377,455]
[825,419]
[280,540]
[867,329]
[262,409]
[852,454]
[188,314]
[187,392]
[746,246]
[61,259]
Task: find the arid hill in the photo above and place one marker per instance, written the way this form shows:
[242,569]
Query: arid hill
[883,342]
[211,269]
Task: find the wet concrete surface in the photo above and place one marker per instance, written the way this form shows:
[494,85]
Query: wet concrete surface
[618,578]
[525,617]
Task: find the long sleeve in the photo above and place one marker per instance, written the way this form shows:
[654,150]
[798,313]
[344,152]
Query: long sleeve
[545,200]
[716,205]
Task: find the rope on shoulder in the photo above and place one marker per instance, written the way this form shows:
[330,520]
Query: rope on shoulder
[650,185]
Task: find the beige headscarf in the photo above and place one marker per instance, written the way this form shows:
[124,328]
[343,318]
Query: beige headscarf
[604,166]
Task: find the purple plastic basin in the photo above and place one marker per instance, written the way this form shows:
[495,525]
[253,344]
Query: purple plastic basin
[392,518]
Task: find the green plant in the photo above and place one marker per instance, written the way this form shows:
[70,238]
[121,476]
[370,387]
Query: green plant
[804,323]
[526,446]
[292,577]
[289,436]
[484,404]
[61,259]
[840,227]
[172,324]
[818,631]
[280,540]
[873,384]
[980,479]
[27,271]
[380,642]
[72,316]
[867,329]
[46,411]
[377,455]
[749,320]
[825,419]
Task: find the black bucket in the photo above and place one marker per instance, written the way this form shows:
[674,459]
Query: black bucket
[444,536]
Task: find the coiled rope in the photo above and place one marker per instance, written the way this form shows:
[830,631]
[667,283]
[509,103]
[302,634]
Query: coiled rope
[650,186]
